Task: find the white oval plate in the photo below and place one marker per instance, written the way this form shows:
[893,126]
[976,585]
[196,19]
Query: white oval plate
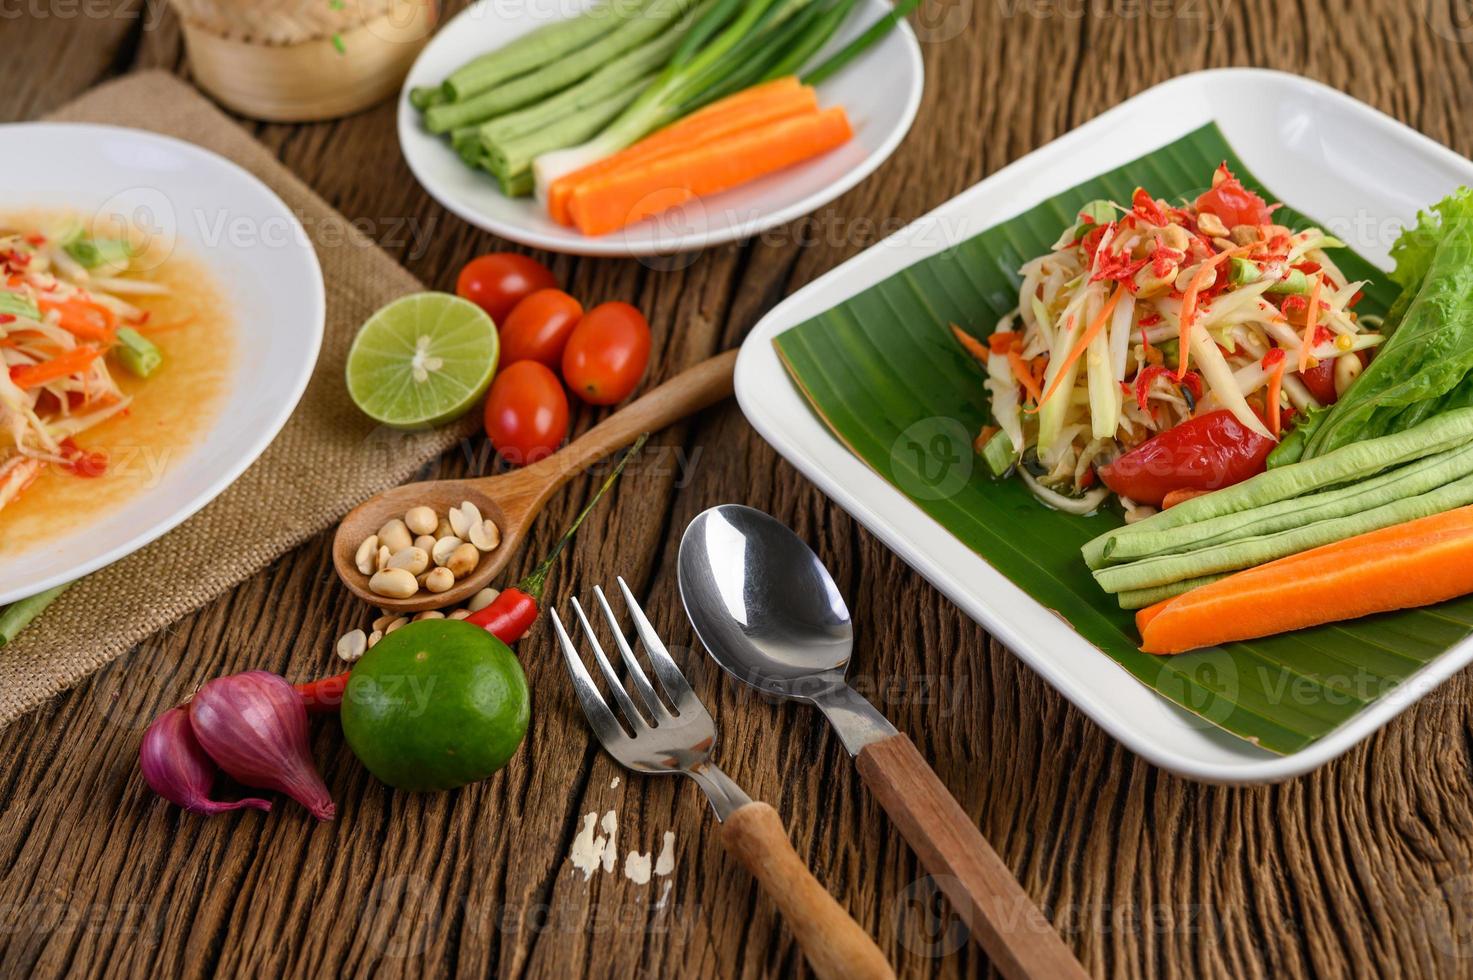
[880,90]
[1322,151]
[260,260]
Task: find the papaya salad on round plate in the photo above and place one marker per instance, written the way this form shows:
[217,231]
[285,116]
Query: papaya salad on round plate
[1161,349]
[68,325]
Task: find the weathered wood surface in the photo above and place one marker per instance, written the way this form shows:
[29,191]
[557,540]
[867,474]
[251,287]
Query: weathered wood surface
[1365,867]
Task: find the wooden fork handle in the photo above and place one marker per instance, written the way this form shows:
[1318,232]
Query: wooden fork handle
[685,394]
[836,947]
[1001,916]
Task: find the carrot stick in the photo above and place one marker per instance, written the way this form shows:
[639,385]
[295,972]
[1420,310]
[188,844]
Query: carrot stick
[1095,326]
[1023,371]
[748,108]
[971,344]
[1413,564]
[1199,280]
[611,201]
[1275,386]
[83,318]
[35,375]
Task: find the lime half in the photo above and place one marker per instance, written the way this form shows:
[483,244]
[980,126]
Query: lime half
[423,360]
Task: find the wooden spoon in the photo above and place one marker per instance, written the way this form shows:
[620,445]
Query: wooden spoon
[513,500]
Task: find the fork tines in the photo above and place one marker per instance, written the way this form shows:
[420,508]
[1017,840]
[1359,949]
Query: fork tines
[672,681]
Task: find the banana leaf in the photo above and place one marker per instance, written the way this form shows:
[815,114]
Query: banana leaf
[882,372]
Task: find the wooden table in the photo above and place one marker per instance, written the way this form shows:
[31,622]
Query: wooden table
[1363,867]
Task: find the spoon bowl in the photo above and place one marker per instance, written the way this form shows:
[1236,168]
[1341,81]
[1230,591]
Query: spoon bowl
[763,604]
[492,499]
[513,500]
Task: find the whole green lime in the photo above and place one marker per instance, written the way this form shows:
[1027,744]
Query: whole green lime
[435,705]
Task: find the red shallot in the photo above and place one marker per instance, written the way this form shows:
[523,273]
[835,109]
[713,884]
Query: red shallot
[177,768]
[255,728]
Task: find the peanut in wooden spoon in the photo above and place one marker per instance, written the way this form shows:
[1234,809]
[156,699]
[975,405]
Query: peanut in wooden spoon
[513,500]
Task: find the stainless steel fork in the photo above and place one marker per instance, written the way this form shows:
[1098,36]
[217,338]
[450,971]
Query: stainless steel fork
[660,741]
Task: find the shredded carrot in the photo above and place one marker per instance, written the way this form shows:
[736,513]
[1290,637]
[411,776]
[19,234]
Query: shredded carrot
[83,318]
[1311,320]
[1095,326]
[1023,371]
[1275,384]
[611,201]
[35,375]
[972,345]
[1413,564]
[736,113]
[1200,279]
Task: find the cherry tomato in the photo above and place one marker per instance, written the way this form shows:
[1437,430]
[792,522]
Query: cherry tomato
[497,282]
[1232,202]
[607,353]
[526,413]
[537,329]
[1203,453]
[1320,380]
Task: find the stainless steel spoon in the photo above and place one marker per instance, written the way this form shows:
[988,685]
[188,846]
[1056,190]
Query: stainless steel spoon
[769,613]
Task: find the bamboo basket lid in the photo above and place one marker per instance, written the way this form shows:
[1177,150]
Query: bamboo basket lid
[303,60]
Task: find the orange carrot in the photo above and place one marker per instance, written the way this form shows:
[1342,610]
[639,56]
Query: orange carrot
[611,201]
[1023,371]
[972,345]
[83,318]
[748,108]
[35,375]
[1275,385]
[1311,320]
[1413,564]
[1095,326]
[1181,496]
[1199,280]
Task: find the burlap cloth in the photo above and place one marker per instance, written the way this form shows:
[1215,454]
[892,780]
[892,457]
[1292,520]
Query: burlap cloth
[328,458]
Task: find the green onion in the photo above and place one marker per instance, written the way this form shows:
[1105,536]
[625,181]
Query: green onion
[661,103]
[810,45]
[857,46]
[137,353]
[18,304]
[93,252]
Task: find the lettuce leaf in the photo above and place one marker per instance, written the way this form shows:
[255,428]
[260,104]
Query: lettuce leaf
[1424,365]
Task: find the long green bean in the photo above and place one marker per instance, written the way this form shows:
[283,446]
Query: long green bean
[1353,462]
[1141,598]
[1417,477]
[1248,552]
[557,74]
[539,48]
[506,159]
[18,615]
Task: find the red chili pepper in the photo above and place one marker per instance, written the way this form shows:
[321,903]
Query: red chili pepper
[508,618]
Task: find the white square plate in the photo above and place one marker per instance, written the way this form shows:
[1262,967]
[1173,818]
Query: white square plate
[1360,174]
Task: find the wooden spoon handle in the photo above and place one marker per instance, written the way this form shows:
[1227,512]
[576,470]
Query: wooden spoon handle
[685,394]
[836,947]
[1001,916]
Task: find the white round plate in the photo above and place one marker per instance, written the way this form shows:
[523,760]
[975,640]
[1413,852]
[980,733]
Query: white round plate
[880,90]
[262,263]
